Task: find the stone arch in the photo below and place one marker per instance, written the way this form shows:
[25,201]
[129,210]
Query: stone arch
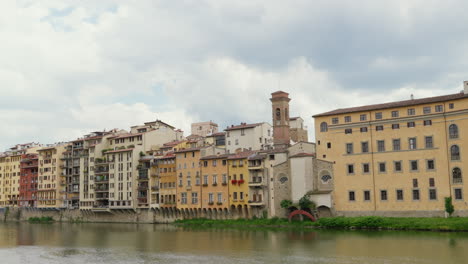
[246,211]
[239,211]
[324,211]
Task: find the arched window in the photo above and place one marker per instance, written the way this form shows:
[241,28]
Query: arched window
[456,175]
[455,152]
[453,131]
[278,114]
[323,127]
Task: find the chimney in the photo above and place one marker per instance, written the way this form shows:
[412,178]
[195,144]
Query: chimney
[465,87]
[412,97]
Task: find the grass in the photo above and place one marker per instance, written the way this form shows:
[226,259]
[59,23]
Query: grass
[44,219]
[365,222]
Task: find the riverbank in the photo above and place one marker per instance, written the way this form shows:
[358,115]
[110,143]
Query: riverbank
[365,222]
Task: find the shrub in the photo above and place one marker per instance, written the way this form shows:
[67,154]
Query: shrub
[286,204]
[449,206]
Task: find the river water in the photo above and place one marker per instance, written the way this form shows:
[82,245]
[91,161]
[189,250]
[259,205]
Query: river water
[128,243]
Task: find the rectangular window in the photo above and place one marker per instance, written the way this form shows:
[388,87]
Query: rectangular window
[430,165]
[429,142]
[415,183]
[458,194]
[415,194]
[439,108]
[350,168]
[351,196]
[335,120]
[451,106]
[395,126]
[366,195]
[396,144]
[397,166]
[215,179]
[378,128]
[363,117]
[432,194]
[363,129]
[383,195]
[411,111]
[183,197]
[380,145]
[411,124]
[412,143]
[349,148]
[210,198]
[365,168]
[431,182]
[427,110]
[194,198]
[427,122]
[378,115]
[414,165]
[382,167]
[328,145]
[365,147]
[347,119]
[395,114]
[399,195]
[220,197]
[348,131]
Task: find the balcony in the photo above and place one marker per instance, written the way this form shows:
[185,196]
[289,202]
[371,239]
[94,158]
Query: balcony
[143,187]
[155,188]
[106,189]
[143,174]
[98,179]
[256,182]
[142,200]
[256,203]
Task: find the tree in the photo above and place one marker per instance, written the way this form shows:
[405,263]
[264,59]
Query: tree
[306,203]
[286,204]
[449,206]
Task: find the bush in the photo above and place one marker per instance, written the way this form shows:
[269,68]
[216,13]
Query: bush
[449,206]
[285,204]
[306,203]
[44,219]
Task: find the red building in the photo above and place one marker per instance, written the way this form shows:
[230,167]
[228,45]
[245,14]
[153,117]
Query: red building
[28,180]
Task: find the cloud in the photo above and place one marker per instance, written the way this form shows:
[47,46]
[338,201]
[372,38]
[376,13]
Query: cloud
[70,67]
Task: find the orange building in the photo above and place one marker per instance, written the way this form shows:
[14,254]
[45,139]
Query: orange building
[215,190]
[166,172]
[238,182]
[188,178]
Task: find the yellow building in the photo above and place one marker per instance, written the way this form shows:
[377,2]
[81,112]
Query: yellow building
[9,180]
[188,178]
[399,158]
[167,177]
[51,189]
[215,191]
[239,182]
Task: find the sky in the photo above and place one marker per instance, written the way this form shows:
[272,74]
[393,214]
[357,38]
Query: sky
[71,67]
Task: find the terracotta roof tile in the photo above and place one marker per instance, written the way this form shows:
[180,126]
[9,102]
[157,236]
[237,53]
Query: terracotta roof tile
[244,125]
[404,103]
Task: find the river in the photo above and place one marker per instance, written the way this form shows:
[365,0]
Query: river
[131,243]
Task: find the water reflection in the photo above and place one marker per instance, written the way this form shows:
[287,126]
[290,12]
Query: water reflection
[127,243]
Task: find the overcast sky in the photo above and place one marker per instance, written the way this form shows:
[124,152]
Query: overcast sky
[71,67]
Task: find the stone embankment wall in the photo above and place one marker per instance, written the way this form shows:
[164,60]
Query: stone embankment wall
[115,216]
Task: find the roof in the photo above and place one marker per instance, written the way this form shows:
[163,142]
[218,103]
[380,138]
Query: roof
[172,144]
[243,125]
[404,103]
[126,135]
[211,157]
[241,155]
[188,150]
[301,155]
[217,134]
[119,150]
[169,155]
[257,157]
[294,118]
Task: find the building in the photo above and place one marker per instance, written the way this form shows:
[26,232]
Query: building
[204,128]
[188,178]
[255,136]
[239,182]
[215,191]
[29,168]
[297,130]
[216,139]
[10,179]
[399,158]
[167,175]
[51,188]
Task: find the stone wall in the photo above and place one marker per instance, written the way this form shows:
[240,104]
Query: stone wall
[400,213]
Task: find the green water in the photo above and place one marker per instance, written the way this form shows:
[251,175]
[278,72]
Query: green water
[127,243]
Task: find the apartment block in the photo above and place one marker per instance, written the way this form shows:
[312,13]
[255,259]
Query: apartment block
[51,188]
[215,191]
[29,169]
[255,136]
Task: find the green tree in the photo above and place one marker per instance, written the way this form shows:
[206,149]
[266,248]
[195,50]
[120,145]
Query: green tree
[449,206]
[285,204]
[306,203]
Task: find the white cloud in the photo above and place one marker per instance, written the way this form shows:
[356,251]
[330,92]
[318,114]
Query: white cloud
[69,67]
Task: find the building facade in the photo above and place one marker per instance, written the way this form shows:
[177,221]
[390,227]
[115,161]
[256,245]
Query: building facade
[399,158]
[28,180]
[257,136]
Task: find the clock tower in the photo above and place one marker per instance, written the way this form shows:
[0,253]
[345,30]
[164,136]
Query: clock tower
[280,112]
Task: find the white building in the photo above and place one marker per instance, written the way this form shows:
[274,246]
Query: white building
[258,136]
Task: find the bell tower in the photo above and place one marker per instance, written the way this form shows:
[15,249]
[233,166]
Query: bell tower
[280,112]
